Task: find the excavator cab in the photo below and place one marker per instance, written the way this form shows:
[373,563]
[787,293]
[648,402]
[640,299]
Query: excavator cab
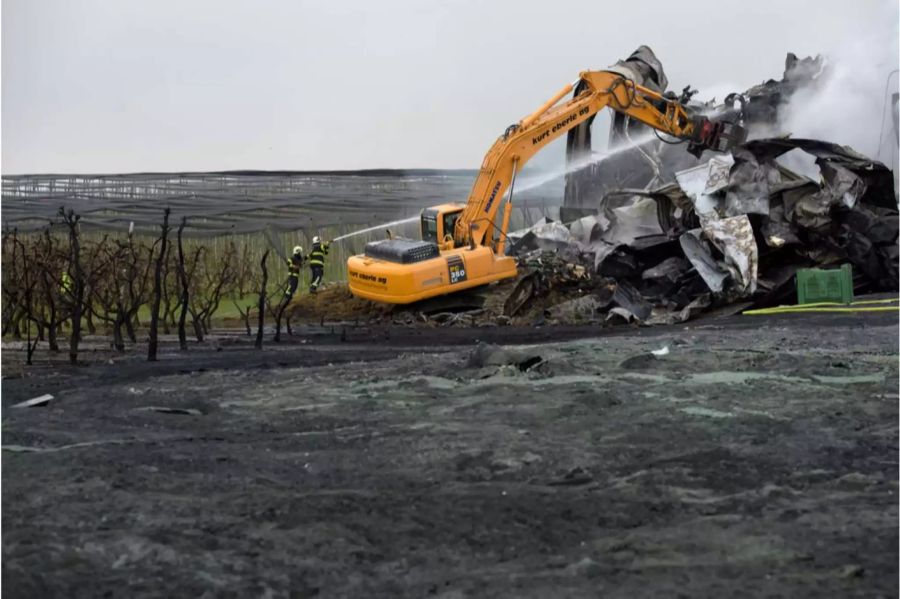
[439,222]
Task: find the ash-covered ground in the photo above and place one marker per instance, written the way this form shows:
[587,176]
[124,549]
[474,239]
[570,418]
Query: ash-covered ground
[757,458]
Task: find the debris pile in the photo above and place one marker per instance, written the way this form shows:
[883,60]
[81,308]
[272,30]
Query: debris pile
[731,231]
[726,235]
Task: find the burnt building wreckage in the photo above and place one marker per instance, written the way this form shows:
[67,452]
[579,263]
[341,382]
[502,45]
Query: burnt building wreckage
[683,234]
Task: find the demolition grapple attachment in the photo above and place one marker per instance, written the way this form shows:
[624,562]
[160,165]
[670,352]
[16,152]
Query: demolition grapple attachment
[715,135]
[718,136]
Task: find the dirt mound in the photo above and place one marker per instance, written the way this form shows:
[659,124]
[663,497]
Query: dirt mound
[334,303]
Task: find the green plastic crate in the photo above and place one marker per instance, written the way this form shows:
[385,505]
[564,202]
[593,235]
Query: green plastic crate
[816,285]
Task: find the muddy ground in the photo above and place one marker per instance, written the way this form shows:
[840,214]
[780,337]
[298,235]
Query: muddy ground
[757,458]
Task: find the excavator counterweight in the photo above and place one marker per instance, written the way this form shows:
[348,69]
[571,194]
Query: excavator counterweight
[463,245]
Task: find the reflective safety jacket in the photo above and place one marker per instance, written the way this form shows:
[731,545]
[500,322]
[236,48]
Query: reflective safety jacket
[66,283]
[317,254]
[294,264]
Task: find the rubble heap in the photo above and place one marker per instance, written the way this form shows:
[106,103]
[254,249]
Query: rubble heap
[725,235]
[731,231]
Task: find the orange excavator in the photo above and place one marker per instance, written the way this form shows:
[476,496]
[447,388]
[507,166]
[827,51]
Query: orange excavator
[463,245]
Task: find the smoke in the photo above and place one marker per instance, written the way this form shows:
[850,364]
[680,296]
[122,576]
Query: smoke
[847,104]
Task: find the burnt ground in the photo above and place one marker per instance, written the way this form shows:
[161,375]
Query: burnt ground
[757,458]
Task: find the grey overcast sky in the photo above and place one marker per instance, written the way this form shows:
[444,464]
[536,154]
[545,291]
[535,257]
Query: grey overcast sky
[163,85]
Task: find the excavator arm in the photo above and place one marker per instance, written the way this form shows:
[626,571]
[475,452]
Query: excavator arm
[524,139]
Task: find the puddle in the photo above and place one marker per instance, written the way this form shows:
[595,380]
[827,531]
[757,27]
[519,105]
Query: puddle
[655,378]
[849,380]
[762,413]
[729,377]
[659,397]
[733,377]
[406,384]
[310,406]
[566,379]
[438,382]
[698,411]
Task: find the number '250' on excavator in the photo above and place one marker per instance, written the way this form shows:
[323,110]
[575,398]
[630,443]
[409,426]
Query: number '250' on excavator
[463,245]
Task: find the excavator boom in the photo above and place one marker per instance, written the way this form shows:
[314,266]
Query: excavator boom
[464,247]
[524,139]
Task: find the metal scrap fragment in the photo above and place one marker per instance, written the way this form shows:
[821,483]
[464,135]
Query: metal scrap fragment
[41,400]
[702,259]
[734,238]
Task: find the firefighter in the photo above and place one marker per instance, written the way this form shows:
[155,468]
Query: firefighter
[317,263]
[66,282]
[295,262]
